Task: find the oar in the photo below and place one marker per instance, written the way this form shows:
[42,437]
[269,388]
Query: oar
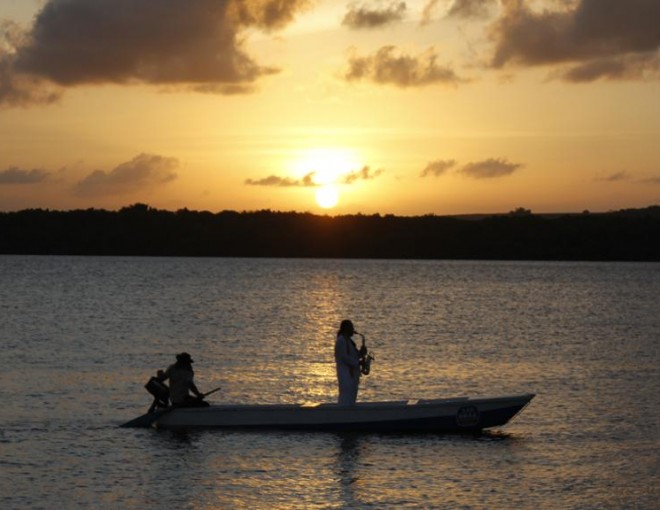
[204,395]
[146,420]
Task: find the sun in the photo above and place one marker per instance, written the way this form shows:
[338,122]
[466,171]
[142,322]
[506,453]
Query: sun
[327,196]
[325,168]
[326,164]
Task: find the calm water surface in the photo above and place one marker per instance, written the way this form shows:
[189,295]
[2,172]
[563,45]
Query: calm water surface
[80,337]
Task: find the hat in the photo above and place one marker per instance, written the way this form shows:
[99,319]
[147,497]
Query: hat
[185,357]
[346,326]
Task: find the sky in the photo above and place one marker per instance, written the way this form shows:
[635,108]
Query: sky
[331,107]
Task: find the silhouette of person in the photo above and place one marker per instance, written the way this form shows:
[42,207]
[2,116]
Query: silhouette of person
[347,359]
[160,392]
[181,376]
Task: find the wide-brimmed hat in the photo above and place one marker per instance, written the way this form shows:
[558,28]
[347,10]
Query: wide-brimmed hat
[184,356]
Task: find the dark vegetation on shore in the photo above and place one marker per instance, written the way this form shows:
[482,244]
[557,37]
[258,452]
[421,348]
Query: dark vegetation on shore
[627,235]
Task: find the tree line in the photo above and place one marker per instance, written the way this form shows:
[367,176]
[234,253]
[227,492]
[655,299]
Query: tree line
[140,230]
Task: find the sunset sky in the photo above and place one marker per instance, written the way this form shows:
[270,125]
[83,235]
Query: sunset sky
[392,107]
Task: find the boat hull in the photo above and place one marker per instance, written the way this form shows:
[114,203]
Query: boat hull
[442,415]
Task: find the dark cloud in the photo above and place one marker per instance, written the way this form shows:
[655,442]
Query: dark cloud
[365,174]
[438,167]
[490,168]
[593,39]
[266,14]
[165,42]
[19,89]
[142,173]
[390,67]
[14,175]
[284,182]
[364,16]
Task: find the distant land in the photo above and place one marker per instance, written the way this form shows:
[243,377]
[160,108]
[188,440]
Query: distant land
[140,230]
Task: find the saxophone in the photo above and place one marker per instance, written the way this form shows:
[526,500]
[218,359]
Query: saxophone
[366,357]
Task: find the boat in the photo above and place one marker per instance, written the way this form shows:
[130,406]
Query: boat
[460,414]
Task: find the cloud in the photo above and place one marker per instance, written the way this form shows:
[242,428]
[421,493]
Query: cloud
[264,14]
[143,173]
[427,12]
[362,16]
[590,39]
[274,180]
[625,67]
[19,89]
[470,8]
[167,42]
[625,176]
[14,175]
[438,167]
[615,177]
[486,169]
[489,168]
[23,91]
[461,9]
[390,67]
[365,173]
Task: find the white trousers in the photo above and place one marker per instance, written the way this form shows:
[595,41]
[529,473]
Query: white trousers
[348,384]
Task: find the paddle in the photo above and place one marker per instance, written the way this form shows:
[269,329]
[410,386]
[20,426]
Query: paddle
[204,395]
[146,420]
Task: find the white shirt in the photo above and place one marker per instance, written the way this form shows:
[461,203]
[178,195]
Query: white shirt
[180,382]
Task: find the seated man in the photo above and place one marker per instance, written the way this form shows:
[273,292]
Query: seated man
[181,377]
[160,392]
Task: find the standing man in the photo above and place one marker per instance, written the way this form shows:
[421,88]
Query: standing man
[181,378]
[347,358]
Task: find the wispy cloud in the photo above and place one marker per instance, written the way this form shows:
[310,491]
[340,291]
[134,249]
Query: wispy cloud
[142,173]
[470,8]
[362,15]
[490,168]
[589,39]
[175,42]
[438,167]
[625,176]
[365,174]
[460,9]
[14,175]
[284,182]
[615,177]
[427,12]
[486,169]
[388,66]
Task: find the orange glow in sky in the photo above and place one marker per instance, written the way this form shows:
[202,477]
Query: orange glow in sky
[407,108]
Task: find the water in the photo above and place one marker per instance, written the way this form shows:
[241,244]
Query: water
[80,337]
